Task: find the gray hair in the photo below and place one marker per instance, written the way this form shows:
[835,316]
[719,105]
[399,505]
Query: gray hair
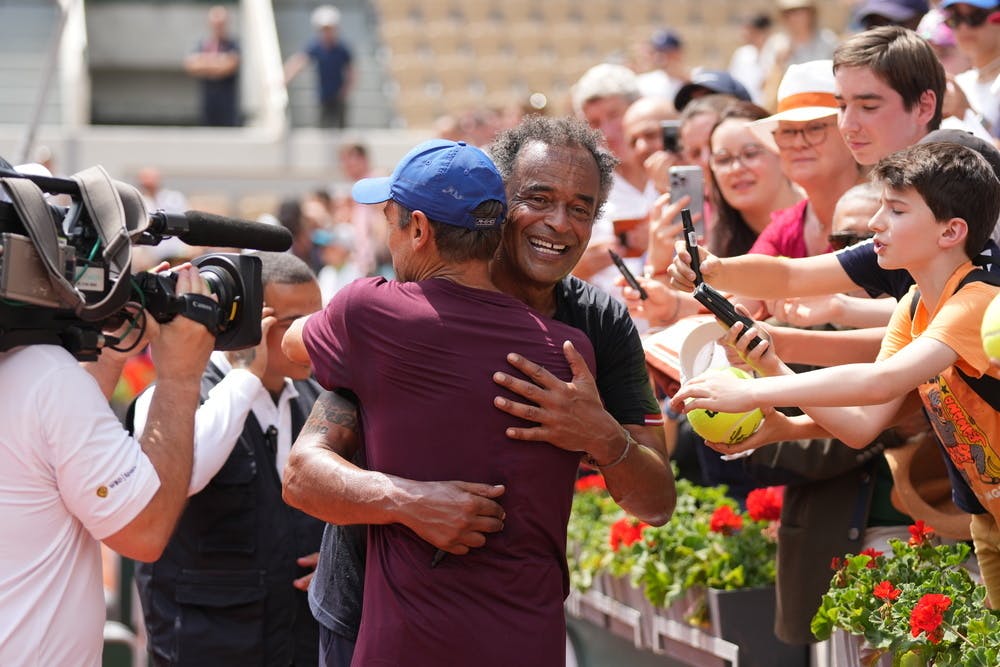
[553,131]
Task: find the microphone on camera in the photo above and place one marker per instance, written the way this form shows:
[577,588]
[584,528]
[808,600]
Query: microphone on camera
[206,229]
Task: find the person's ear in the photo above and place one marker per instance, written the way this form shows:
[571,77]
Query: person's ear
[926,106]
[420,230]
[953,233]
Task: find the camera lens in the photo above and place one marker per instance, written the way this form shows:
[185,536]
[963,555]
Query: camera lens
[225,287]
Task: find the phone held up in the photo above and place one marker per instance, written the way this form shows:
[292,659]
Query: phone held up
[689,180]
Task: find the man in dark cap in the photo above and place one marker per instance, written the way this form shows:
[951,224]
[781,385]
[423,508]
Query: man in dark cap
[708,82]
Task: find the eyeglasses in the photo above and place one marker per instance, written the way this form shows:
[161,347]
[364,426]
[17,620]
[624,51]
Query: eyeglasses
[973,19]
[813,134]
[749,155]
[841,240]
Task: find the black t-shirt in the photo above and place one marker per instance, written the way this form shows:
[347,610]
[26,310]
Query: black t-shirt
[622,381]
[860,263]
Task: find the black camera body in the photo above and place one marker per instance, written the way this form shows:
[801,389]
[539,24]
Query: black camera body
[65,274]
[233,317]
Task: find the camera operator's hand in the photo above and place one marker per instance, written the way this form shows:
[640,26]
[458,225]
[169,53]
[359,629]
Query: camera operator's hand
[182,349]
[254,359]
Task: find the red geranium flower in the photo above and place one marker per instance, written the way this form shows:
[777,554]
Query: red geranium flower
[928,615]
[886,591]
[591,483]
[872,554]
[836,563]
[725,520]
[920,533]
[765,504]
[626,532]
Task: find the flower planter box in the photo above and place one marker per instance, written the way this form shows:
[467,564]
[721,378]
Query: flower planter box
[746,618]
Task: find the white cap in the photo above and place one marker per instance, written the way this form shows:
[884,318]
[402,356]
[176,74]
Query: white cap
[806,92]
[325,15]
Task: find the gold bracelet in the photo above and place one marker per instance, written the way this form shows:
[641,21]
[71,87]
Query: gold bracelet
[621,457]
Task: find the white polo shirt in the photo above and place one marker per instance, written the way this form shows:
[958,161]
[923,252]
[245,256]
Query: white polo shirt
[70,475]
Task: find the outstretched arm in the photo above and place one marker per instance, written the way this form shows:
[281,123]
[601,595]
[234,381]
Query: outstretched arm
[321,481]
[571,416]
[762,276]
[879,388]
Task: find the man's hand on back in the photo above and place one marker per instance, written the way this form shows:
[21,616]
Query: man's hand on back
[453,516]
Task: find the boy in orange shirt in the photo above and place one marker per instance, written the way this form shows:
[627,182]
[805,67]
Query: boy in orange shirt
[939,205]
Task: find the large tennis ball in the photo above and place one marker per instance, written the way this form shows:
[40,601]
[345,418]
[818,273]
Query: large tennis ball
[726,427]
[991,329]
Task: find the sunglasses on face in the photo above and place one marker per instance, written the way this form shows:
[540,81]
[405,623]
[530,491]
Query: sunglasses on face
[841,240]
[974,18]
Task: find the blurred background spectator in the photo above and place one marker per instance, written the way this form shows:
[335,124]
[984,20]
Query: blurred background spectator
[332,59]
[216,64]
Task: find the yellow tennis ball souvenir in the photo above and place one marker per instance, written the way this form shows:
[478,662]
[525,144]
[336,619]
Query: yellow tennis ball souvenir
[727,427]
[991,329]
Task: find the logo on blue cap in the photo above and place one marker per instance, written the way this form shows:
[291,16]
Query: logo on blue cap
[446,180]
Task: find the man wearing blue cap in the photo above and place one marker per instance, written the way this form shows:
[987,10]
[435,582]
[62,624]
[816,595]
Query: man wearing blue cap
[557,177]
[425,387]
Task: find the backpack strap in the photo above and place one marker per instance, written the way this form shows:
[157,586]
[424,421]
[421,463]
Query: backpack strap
[986,386]
[973,276]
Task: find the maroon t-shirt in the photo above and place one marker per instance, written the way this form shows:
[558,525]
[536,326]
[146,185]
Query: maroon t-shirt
[420,356]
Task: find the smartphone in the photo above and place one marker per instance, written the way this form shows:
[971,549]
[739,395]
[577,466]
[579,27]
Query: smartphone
[671,130]
[722,308]
[689,180]
[691,243]
[629,278]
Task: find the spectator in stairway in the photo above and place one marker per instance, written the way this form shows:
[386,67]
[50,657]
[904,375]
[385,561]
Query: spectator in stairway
[335,74]
[216,63]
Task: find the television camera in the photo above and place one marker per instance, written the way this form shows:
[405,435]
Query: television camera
[66,272]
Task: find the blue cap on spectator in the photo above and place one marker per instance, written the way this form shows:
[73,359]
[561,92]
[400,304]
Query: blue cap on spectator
[446,180]
[665,40]
[982,4]
[710,81]
[894,10]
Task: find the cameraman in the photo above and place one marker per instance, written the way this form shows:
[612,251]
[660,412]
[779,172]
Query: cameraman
[72,476]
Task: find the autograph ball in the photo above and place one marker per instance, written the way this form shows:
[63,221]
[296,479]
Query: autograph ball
[728,427]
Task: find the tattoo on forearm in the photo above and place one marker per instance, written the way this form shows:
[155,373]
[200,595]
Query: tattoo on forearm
[331,409]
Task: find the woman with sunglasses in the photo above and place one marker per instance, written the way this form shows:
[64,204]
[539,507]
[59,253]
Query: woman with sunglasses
[978,37]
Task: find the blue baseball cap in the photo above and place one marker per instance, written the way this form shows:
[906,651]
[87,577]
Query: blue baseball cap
[981,4]
[447,180]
